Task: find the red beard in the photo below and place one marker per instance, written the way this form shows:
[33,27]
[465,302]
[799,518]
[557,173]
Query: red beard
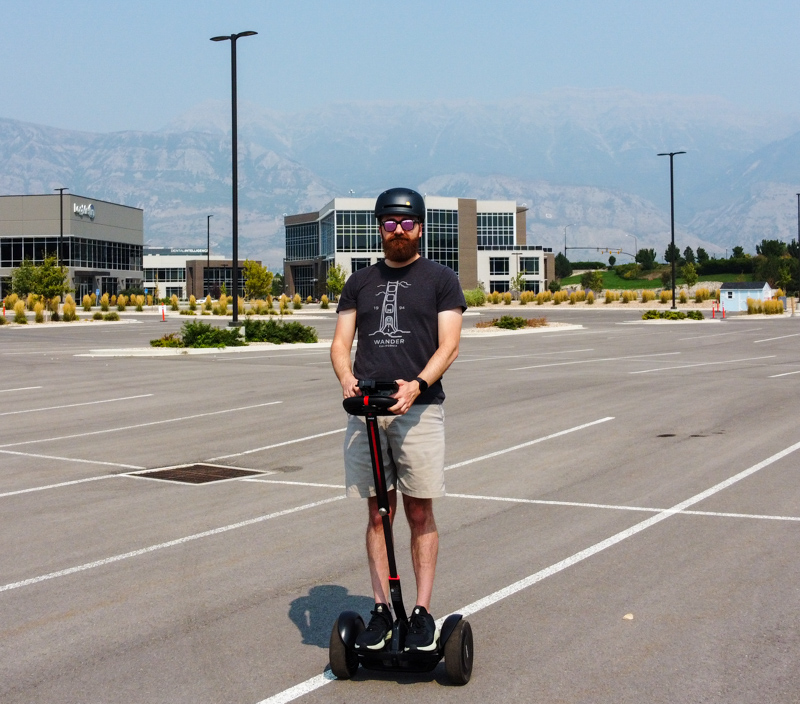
[400,248]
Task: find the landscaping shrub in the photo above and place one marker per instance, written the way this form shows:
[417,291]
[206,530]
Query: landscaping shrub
[199,334]
[683,296]
[324,303]
[171,339]
[207,304]
[297,302]
[113,315]
[526,297]
[648,295]
[611,296]
[560,297]
[507,298]
[121,303]
[19,313]
[104,303]
[278,332]
[666,296]
[187,312]
[139,302]
[69,311]
[3,320]
[475,297]
[11,300]
[590,298]
[87,302]
[173,301]
[494,297]
[192,302]
[628,296]
[38,312]
[97,315]
[701,294]
[773,307]
[672,315]
[309,299]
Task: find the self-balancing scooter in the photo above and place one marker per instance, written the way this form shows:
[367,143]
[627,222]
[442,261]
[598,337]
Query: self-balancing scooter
[455,640]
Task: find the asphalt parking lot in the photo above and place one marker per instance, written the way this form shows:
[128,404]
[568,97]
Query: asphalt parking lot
[621,521]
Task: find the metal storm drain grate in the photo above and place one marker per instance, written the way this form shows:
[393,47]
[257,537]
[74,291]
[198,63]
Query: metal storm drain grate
[196,473]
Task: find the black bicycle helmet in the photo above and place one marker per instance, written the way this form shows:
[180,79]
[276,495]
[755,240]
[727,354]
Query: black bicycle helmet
[400,201]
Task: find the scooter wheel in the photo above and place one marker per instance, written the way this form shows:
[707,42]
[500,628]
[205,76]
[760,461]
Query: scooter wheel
[458,654]
[343,661]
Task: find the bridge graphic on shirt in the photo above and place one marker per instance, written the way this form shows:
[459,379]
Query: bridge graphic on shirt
[389,325]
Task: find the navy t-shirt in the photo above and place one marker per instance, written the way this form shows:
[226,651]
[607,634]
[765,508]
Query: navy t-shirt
[397,319]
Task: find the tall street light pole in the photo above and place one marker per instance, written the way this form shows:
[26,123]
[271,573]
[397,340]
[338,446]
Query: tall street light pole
[672,219]
[234,169]
[208,251]
[565,237]
[635,245]
[61,235]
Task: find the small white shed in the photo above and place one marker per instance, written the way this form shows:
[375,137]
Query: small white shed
[733,296]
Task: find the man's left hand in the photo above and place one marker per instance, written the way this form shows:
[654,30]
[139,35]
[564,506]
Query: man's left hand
[406,394]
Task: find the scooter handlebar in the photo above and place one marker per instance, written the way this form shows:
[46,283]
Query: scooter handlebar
[366,405]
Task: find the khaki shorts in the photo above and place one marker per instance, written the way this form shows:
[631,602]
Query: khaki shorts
[413,453]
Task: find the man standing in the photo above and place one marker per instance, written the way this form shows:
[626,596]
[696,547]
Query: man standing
[407,311]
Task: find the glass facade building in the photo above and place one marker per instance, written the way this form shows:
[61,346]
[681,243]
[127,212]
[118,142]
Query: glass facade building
[100,243]
[482,241]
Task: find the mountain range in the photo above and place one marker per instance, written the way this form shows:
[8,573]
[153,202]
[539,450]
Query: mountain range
[583,162]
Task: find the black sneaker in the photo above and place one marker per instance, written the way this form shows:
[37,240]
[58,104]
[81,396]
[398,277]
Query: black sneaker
[379,630]
[422,631]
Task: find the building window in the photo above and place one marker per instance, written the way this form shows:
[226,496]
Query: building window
[530,286]
[529,265]
[302,241]
[441,237]
[174,291]
[357,231]
[499,286]
[498,266]
[496,229]
[358,263]
[303,280]
[328,232]
[165,274]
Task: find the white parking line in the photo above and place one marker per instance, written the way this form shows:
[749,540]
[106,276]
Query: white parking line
[719,334]
[600,359]
[516,356]
[318,681]
[139,425]
[162,546]
[58,486]
[775,376]
[782,337]
[71,459]
[613,507]
[74,405]
[21,388]
[529,443]
[703,364]
[277,444]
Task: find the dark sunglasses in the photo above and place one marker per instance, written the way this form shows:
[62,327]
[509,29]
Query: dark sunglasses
[391,225]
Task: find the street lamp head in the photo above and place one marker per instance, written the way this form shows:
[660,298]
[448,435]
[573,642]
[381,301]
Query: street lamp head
[219,39]
[670,153]
[233,37]
[246,34]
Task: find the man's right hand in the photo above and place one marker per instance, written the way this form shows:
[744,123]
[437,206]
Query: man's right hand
[350,387]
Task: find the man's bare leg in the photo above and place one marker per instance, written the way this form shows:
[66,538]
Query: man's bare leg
[376,549]
[424,545]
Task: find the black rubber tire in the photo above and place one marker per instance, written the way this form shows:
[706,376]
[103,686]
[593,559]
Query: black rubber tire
[343,661]
[458,654]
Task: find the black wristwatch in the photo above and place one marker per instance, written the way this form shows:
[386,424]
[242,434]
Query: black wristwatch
[423,385]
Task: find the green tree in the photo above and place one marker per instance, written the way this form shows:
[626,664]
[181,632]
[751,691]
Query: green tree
[257,280]
[278,284]
[336,278]
[672,253]
[23,278]
[612,260]
[785,275]
[563,267]
[666,278]
[688,255]
[52,280]
[517,283]
[592,280]
[771,248]
[689,274]
[737,252]
[647,258]
[702,256]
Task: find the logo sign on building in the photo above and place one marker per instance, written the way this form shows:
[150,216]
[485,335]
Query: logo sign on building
[83,210]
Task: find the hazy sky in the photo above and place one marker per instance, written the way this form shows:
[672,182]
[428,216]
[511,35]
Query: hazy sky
[105,66]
